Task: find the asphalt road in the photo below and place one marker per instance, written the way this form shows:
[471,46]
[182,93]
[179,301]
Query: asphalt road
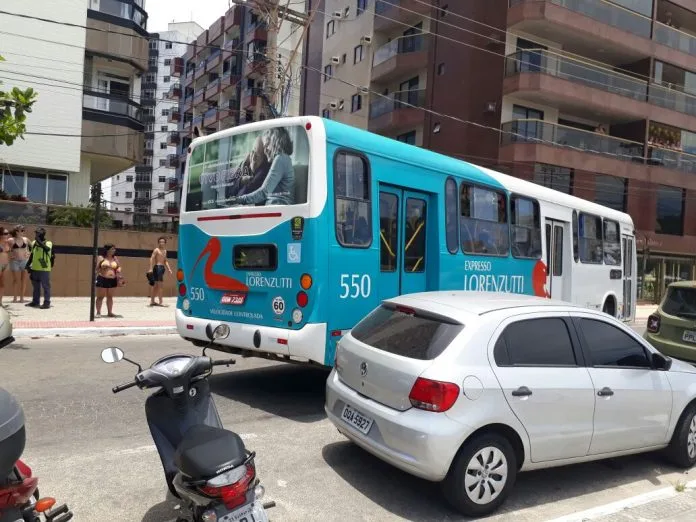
[93,450]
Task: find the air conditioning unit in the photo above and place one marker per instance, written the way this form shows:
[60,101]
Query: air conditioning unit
[337,14]
[367,39]
[333,105]
[336,60]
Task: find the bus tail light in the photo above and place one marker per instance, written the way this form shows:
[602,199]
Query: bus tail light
[180,275]
[654,323]
[306,281]
[302,299]
[182,290]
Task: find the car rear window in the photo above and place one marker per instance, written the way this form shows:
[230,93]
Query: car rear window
[680,302]
[410,333]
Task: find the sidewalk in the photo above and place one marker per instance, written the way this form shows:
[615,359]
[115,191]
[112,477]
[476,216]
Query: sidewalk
[643,311]
[70,316]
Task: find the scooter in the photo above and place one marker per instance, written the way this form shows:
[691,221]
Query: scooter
[19,493]
[205,466]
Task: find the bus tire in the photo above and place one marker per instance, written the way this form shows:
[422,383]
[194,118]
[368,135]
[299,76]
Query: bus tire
[609,307]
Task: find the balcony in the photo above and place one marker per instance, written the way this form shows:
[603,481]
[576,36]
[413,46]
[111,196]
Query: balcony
[407,54]
[200,70]
[198,97]
[172,207]
[148,101]
[174,115]
[258,32]
[173,138]
[543,76]
[255,66]
[130,12]
[147,84]
[143,183]
[250,97]
[172,161]
[675,38]
[176,67]
[214,61]
[201,42]
[216,29]
[229,113]
[398,111]
[172,183]
[231,45]
[396,14]
[188,103]
[198,121]
[143,169]
[213,89]
[118,107]
[175,91]
[210,117]
[190,72]
[229,81]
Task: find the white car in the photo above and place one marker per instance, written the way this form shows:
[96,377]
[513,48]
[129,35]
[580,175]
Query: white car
[470,388]
[5,328]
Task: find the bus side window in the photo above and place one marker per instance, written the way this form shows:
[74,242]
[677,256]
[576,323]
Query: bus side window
[590,238]
[451,221]
[352,192]
[526,228]
[576,254]
[483,221]
[612,243]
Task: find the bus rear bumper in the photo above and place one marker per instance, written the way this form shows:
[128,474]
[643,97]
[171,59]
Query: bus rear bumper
[308,343]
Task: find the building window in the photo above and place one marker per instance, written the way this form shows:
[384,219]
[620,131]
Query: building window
[483,221]
[670,211]
[36,187]
[164,128]
[129,195]
[163,145]
[443,10]
[358,53]
[330,28]
[160,211]
[167,61]
[362,7]
[162,179]
[326,113]
[152,43]
[355,103]
[165,112]
[129,210]
[527,123]
[610,191]
[129,179]
[118,193]
[328,72]
[160,195]
[441,69]
[168,45]
[407,137]
[162,162]
[554,177]
[352,192]
[166,79]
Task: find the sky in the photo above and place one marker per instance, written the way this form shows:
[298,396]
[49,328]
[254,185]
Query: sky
[205,12]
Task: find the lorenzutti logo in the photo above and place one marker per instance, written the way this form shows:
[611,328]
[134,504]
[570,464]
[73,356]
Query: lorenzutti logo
[363,368]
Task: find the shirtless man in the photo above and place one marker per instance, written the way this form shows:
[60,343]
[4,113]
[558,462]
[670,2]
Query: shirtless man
[158,264]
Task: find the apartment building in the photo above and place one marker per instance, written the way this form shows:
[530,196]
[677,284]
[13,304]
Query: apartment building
[594,98]
[87,123]
[142,189]
[223,77]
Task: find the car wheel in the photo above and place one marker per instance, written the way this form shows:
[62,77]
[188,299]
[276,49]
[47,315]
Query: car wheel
[481,476]
[682,449]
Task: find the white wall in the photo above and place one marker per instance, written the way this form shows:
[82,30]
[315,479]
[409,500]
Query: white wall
[59,105]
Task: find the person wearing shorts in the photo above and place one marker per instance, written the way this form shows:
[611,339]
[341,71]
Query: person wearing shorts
[158,265]
[109,277]
[18,263]
[4,259]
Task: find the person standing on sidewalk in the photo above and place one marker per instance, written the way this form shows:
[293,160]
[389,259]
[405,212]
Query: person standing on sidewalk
[18,263]
[158,265]
[4,259]
[40,264]
[109,277]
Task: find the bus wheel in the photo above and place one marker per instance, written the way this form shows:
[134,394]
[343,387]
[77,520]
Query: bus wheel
[609,307]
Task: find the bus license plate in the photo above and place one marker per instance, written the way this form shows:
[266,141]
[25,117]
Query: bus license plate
[689,336]
[356,419]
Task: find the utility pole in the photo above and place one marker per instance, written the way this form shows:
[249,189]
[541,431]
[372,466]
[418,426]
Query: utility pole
[97,202]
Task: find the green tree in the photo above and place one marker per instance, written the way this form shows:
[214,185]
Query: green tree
[73,216]
[14,106]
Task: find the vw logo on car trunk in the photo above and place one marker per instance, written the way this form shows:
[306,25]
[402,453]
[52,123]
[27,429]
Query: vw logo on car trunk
[363,368]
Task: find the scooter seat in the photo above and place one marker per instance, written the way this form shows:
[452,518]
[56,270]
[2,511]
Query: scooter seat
[205,452]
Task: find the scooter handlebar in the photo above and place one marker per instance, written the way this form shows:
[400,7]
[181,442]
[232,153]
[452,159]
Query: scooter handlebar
[121,387]
[224,362]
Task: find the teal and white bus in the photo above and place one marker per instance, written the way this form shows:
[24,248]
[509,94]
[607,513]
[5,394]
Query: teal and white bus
[293,229]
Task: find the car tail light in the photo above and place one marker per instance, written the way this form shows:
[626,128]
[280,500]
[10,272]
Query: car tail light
[232,486]
[433,395]
[302,299]
[182,290]
[654,323]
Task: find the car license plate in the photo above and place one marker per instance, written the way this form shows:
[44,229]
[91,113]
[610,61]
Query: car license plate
[356,419]
[689,336]
[248,513]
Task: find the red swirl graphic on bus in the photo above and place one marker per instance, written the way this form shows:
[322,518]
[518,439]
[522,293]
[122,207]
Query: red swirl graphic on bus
[213,280]
[539,274]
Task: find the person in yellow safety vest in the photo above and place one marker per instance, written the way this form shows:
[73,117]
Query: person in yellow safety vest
[40,263]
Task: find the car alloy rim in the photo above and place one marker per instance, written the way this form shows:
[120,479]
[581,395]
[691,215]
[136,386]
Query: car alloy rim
[691,438]
[486,475]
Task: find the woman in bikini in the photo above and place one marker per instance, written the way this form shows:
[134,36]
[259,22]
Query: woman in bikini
[109,276]
[18,263]
[4,259]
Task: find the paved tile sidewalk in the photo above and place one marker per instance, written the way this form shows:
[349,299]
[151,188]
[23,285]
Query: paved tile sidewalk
[73,312]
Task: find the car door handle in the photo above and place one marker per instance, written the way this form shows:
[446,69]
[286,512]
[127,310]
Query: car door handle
[605,392]
[522,391]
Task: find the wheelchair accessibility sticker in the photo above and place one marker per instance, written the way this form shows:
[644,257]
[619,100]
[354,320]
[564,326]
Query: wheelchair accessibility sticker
[294,252]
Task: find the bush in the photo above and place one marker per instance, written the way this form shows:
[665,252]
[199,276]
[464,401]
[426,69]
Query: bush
[77,216]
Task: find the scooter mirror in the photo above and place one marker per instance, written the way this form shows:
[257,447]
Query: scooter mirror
[221,332]
[112,355]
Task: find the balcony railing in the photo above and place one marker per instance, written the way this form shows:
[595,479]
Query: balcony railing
[672,159]
[537,131]
[172,161]
[198,120]
[382,6]
[675,38]
[606,13]
[397,100]
[672,99]
[122,9]
[111,103]
[546,62]
[402,45]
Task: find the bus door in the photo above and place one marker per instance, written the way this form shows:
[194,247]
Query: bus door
[555,254]
[627,254]
[402,231]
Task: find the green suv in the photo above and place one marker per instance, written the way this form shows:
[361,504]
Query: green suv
[672,328]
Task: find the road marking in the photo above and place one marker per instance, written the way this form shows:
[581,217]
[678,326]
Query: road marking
[621,505]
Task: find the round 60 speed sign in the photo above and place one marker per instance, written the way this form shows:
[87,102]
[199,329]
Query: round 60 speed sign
[278,305]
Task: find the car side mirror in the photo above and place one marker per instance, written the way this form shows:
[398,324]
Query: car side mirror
[661,362]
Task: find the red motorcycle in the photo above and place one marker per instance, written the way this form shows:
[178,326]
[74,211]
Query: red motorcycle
[19,493]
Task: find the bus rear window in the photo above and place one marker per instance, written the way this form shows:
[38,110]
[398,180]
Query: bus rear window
[264,167]
[409,333]
[255,257]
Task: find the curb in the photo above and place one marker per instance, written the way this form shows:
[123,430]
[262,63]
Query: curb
[96,331]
